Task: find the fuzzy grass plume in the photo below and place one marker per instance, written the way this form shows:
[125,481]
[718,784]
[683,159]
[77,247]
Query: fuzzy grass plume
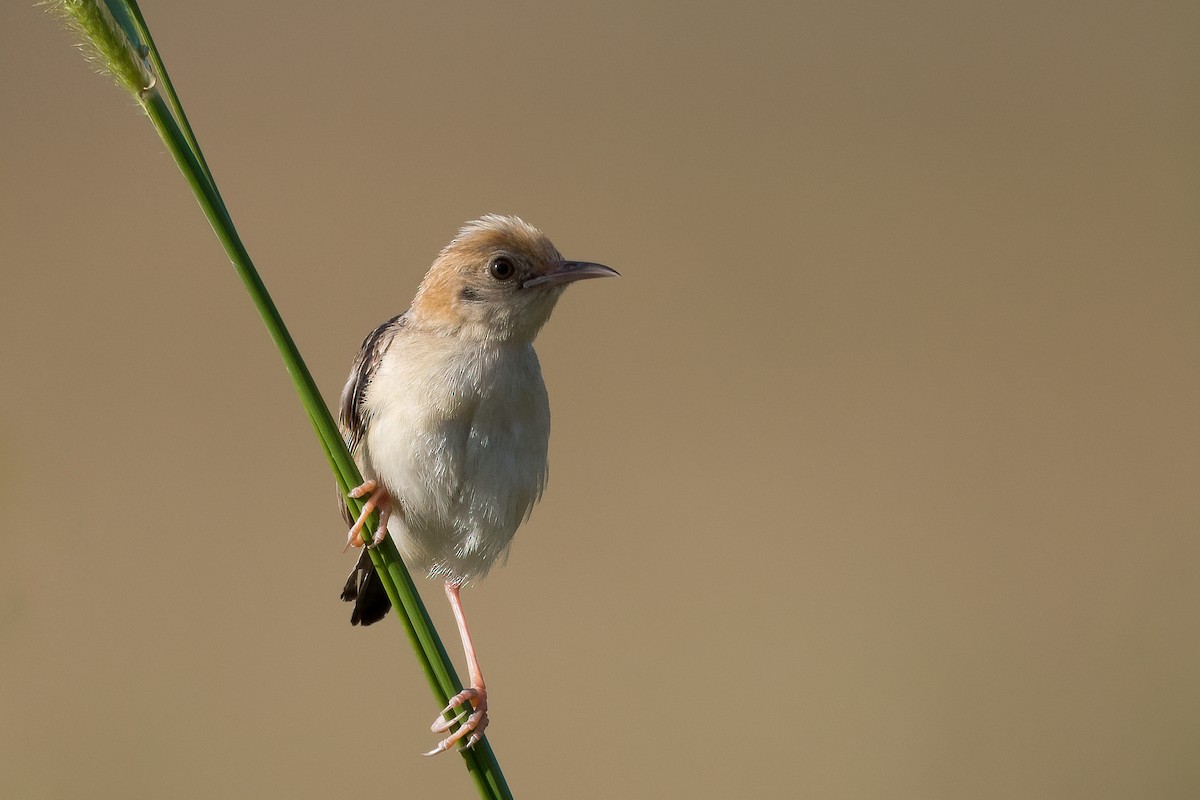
[105,44]
[118,41]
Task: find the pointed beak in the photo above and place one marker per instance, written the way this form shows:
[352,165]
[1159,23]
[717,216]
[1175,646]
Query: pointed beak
[570,271]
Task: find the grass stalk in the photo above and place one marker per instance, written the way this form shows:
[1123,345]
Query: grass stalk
[121,45]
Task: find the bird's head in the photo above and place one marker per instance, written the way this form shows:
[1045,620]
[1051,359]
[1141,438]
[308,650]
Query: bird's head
[498,279]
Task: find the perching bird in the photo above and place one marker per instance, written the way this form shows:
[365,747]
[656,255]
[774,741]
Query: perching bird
[446,414]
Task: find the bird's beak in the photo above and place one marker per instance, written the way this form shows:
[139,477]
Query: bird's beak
[569,271]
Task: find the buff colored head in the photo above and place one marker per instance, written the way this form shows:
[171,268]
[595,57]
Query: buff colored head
[498,279]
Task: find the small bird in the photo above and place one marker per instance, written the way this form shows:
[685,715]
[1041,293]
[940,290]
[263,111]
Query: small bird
[447,417]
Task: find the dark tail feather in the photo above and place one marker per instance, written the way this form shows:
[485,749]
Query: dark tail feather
[363,587]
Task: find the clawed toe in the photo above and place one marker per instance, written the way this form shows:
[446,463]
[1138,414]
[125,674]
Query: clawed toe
[472,727]
[379,499]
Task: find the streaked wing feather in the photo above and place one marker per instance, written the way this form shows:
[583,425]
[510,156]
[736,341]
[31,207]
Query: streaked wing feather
[352,417]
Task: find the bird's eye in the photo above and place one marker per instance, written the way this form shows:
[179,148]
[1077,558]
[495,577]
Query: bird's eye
[502,268]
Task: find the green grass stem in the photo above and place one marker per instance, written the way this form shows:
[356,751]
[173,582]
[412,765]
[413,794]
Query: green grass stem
[128,52]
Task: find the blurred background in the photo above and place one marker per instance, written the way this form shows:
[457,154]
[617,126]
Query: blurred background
[874,476]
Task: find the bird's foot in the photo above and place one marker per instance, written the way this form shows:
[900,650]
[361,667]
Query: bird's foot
[472,727]
[379,499]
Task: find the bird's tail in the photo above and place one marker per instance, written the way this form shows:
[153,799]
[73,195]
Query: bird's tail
[364,588]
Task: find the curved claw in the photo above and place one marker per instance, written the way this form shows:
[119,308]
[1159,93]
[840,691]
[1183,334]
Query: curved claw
[441,724]
[472,727]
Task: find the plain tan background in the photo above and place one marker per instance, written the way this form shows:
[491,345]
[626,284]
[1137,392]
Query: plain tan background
[875,476]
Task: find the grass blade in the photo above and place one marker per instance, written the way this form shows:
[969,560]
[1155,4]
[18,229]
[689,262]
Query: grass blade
[126,50]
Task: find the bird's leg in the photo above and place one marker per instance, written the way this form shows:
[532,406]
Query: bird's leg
[379,499]
[476,721]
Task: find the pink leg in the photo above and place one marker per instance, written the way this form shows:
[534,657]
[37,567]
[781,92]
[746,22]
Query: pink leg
[476,721]
[379,499]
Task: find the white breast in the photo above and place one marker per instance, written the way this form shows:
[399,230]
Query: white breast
[457,433]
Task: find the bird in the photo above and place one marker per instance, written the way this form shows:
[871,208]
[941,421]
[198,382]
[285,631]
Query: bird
[446,414]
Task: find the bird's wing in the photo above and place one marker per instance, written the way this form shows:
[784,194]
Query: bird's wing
[352,417]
